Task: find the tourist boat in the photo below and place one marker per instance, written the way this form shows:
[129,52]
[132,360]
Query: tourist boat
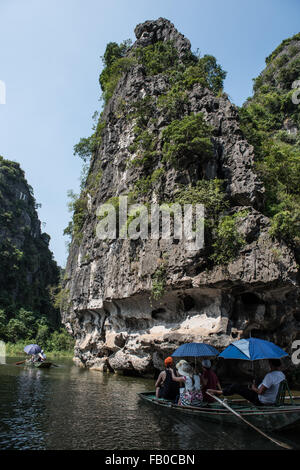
[265,417]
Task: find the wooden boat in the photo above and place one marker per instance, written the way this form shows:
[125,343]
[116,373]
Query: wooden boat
[39,365]
[42,365]
[265,417]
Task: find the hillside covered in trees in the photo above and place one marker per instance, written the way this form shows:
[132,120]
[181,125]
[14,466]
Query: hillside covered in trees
[29,276]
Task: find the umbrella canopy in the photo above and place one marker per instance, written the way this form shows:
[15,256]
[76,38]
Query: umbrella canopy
[32,349]
[253,349]
[195,350]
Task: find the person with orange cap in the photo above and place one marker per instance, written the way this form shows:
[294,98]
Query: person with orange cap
[165,387]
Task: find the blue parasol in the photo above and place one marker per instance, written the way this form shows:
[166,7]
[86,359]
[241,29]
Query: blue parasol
[195,350]
[253,349]
[32,349]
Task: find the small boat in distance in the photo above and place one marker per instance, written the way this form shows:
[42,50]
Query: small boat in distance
[37,364]
[267,417]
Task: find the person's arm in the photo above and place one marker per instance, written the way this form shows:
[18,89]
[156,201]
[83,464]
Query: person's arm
[160,379]
[214,392]
[260,391]
[177,379]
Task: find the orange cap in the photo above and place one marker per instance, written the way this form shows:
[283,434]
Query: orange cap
[168,361]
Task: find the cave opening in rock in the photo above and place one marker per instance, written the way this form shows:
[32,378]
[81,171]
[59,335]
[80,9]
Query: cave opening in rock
[245,307]
[188,303]
[136,323]
[158,313]
[248,299]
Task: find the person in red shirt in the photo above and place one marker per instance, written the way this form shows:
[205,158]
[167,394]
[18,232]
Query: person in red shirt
[209,379]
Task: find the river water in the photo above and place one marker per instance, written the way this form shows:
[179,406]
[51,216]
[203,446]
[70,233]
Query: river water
[72,408]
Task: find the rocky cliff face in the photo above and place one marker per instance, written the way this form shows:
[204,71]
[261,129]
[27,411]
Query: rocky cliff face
[169,135]
[27,266]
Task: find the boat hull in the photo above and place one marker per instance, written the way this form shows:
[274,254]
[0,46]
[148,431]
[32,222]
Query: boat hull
[43,365]
[268,418]
[40,365]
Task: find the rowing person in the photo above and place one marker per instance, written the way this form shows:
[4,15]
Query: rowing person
[38,357]
[265,393]
[42,356]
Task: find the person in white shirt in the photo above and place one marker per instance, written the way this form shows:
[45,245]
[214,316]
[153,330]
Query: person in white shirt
[265,393]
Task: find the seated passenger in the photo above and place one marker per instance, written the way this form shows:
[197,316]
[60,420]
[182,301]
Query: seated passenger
[165,386]
[190,393]
[265,393]
[209,380]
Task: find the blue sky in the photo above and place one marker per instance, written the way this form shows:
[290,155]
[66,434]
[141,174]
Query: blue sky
[50,62]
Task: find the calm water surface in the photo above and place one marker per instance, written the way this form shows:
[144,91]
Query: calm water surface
[72,408]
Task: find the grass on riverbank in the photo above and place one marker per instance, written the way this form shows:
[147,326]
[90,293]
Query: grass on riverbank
[17,349]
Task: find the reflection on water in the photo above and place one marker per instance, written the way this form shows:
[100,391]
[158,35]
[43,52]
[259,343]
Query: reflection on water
[72,408]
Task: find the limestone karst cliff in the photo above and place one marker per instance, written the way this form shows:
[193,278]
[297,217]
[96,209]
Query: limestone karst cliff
[28,269]
[169,134]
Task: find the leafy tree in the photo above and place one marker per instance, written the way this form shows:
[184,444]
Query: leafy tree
[87,146]
[160,57]
[115,51]
[187,137]
[206,72]
[43,333]
[159,282]
[210,193]
[115,64]
[228,241]
[78,206]
[60,341]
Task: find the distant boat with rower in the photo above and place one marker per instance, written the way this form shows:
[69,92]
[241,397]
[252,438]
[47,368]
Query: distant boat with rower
[37,359]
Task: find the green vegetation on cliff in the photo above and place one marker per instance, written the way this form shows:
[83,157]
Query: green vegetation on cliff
[27,265]
[87,146]
[29,275]
[185,136]
[270,121]
[227,240]
[161,57]
[115,64]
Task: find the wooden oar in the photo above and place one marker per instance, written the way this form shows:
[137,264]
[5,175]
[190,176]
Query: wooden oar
[20,362]
[279,443]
